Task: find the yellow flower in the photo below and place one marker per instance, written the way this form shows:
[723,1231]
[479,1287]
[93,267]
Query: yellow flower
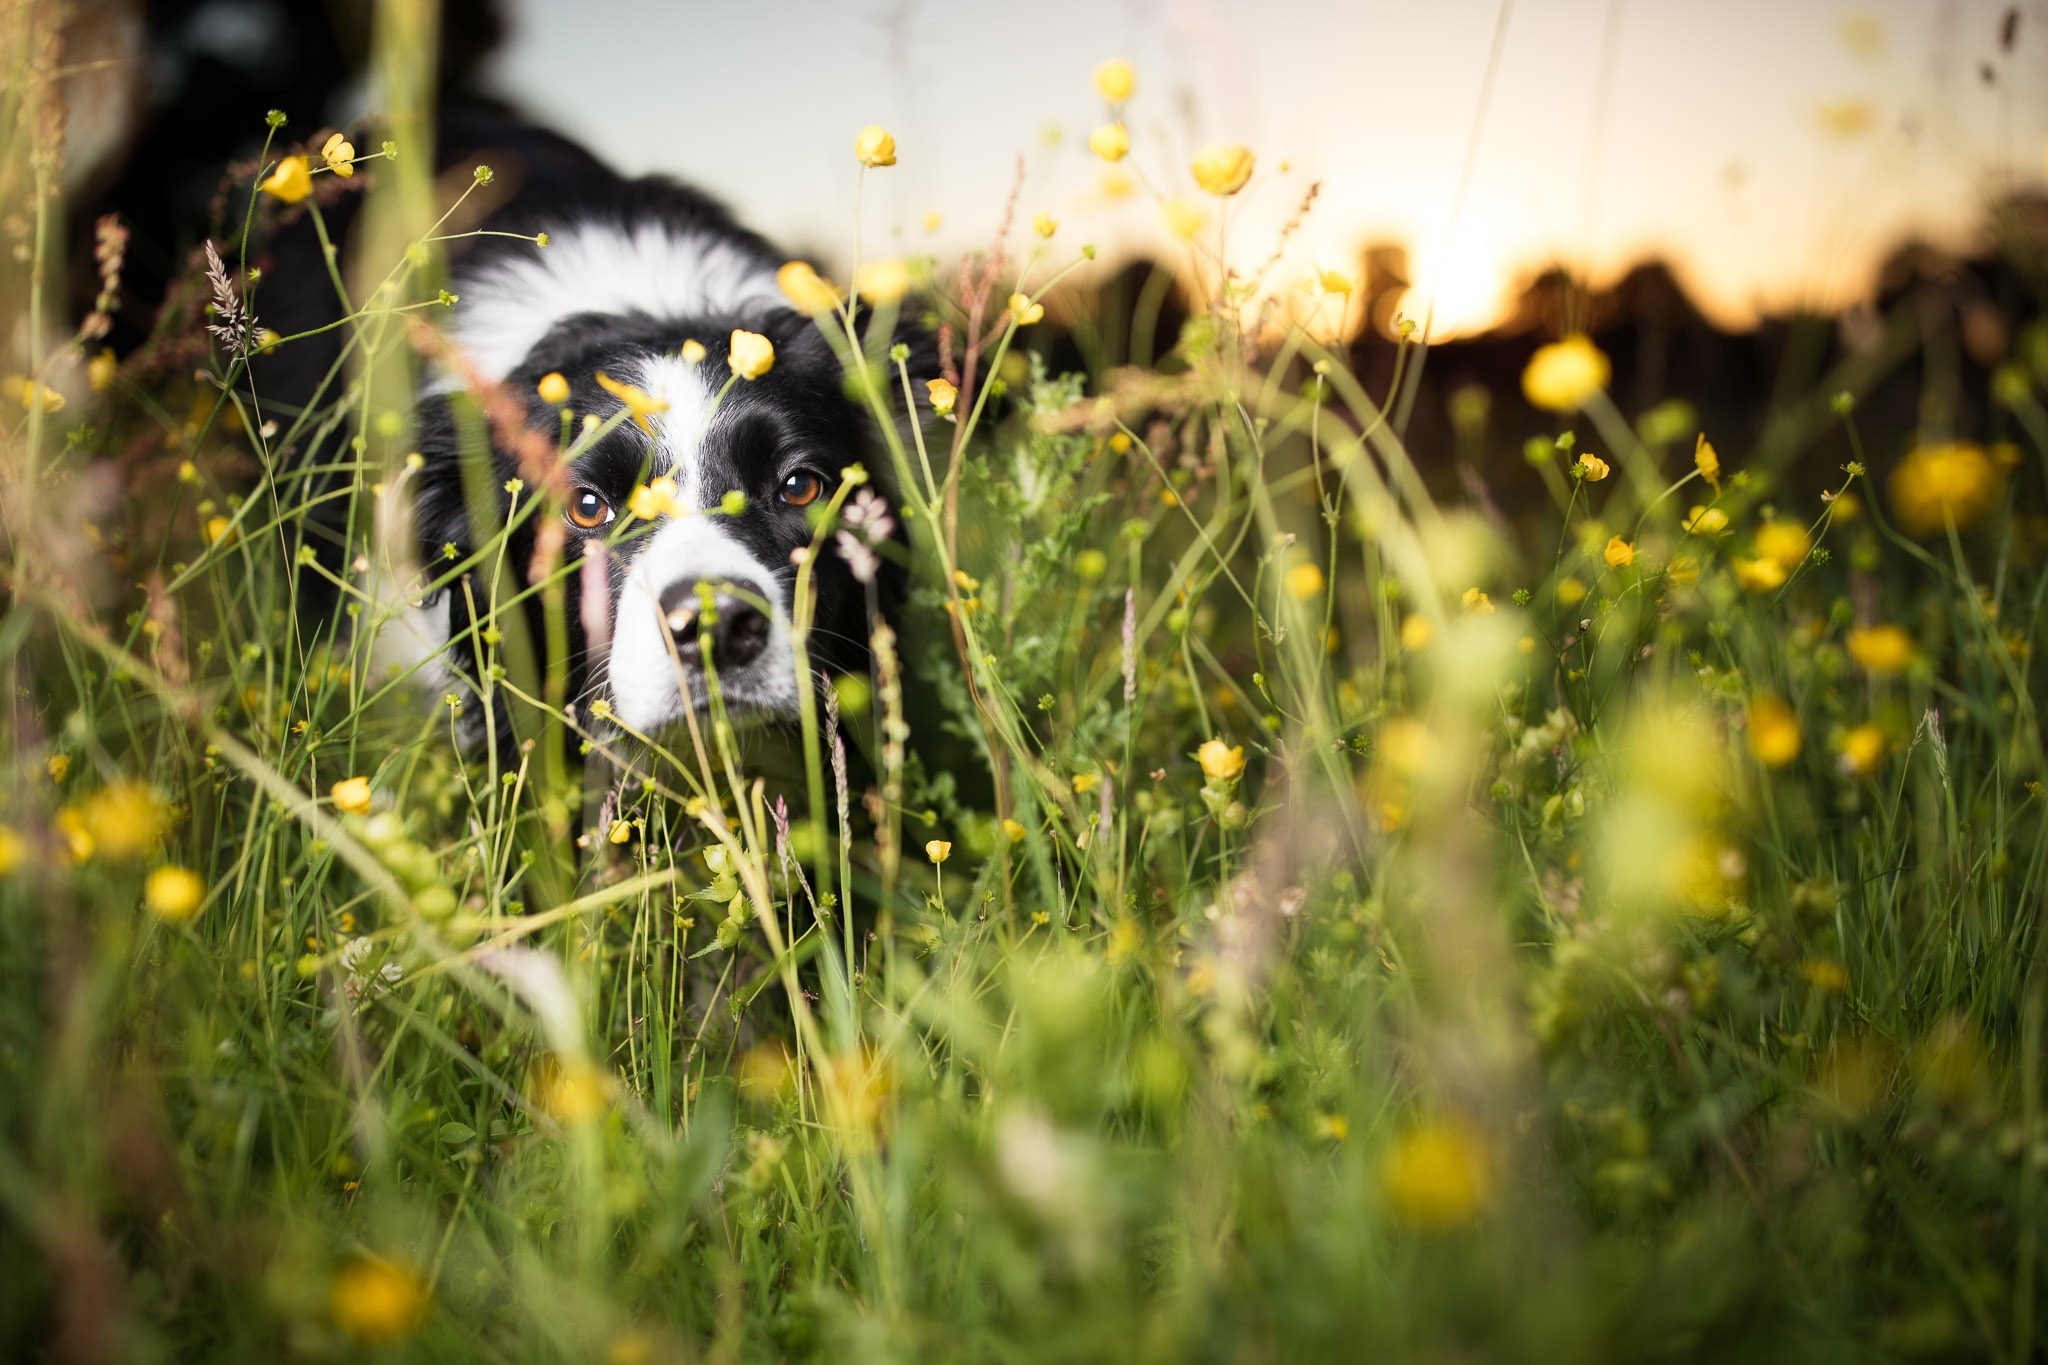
[1861,749]
[1883,650]
[1013,831]
[1335,282]
[1024,310]
[807,291]
[351,795]
[1773,732]
[1110,141]
[1435,1176]
[1183,217]
[1825,975]
[1591,468]
[1941,484]
[291,181]
[751,355]
[124,819]
[1415,633]
[621,831]
[938,850]
[1303,581]
[942,394]
[1571,590]
[883,282]
[1477,602]
[1115,81]
[32,393]
[932,219]
[1705,521]
[637,400]
[78,844]
[1086,782]
[652,500]
[553,389]
[1220,762]
[875,147]
[1334,1127]
[1785,543]
[1115,184]
[1707,462]
[339,154]
[173,894]
[1560,377]
[12,850]
[376,1302]
[58,766]
[1759,575]
[1619,553]
[217,529]
[1045,225]
[1222,168]
[693,352]
[102,370]
[572,1091]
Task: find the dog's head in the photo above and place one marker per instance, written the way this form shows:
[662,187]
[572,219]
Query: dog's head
[692,584]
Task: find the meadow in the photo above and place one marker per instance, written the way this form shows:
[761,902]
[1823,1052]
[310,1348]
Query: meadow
[1266,902]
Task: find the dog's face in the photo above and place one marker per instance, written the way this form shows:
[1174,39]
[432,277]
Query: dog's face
[656,596]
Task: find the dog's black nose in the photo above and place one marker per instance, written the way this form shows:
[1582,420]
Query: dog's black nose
[738,629]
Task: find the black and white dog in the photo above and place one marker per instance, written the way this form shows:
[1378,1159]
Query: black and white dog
[633,273]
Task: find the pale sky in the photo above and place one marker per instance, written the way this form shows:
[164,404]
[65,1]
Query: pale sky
[1615,128]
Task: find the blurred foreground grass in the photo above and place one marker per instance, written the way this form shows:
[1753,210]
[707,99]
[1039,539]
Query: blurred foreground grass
[1265,912]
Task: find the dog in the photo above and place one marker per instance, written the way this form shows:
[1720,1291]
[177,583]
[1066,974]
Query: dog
[637,291]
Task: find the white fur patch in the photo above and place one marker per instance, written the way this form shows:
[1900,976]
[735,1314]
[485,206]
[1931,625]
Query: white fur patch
[510,303]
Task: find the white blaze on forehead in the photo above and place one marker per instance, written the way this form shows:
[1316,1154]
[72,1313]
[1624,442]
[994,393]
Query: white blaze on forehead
[679,432]
[510,302]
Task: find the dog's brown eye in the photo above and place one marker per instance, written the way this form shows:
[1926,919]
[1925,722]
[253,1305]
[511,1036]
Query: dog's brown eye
[802,488]
[588,509]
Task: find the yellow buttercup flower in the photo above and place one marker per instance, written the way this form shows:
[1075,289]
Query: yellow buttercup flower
[340,155]
[1759,575]
[1223,168]
[1773,732]
[1563,375]
[1591,468]
[1303,581]
[291,181]
[1115,80]
[377,1303]
[875,147]
[553,389]
[102,370]
[1416,632]
[693,352]
[573,1092]
[1014,831]
[1684,570]
[1024,310]
[621,832]
[1883,649]
[1937,485]
[1861,749]
[1335,282]
[1220,762]
[13,849]
[1045,225]
[1785,543]
[351,795]
[1705,521]
[1619,553]
[1707,462]
[173,894]
[942,394]
[31,393]
[882,282]
[807,291]
[750,355]
[1111,142]
[1435,1176]
[637,401]
[655,499]
[1477,602]
[1183,217]
[124,819]
[938,850]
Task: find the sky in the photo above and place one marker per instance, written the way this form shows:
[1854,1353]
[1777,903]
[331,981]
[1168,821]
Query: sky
[1772,150]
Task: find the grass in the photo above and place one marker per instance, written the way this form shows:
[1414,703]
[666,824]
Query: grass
[1587,937]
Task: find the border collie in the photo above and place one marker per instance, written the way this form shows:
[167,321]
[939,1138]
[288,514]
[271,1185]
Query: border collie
[633,271]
